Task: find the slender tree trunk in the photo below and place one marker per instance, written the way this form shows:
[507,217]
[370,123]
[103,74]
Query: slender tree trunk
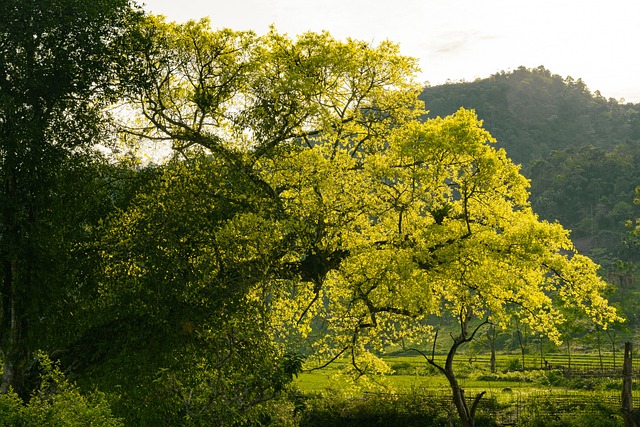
[599,344]
[491,337]
[492,362]
[9,236]
[6,321]
[15,350]
[466,413]
[627,378]
[522,343]
[612,339]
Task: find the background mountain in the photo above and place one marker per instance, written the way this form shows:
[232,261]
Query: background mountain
[580,150]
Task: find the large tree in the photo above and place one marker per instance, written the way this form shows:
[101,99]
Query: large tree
[439,225]
[58,61]
[190,270]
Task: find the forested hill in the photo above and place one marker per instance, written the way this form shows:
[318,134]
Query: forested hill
[580,150]
[533,112]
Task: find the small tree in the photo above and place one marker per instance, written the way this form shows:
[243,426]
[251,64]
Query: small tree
[522,337]
[613,336]
[543,361]
[488,342]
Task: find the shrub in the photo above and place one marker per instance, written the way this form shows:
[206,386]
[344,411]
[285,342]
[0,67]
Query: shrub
[514,364]
[548,413]
[514,376]
[388,410]
[555,378]
[402,368]
[407,368]
[57,402]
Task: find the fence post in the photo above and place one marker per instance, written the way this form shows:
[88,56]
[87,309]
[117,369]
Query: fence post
[627,397]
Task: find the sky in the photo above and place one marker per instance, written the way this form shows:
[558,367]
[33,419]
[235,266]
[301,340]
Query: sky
[597,41]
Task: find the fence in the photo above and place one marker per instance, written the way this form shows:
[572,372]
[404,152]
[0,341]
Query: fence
[553,404]
[589,396]
[555,361]
[506,409]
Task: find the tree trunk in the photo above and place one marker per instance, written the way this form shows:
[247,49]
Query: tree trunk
[466,413]
[491,337]
[627,378]
[599,344]
[16,354]
[493,359]
[522,343]
[16,281]
[612,339]
[6,321]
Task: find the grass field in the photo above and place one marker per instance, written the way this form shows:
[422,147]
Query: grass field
[412,372]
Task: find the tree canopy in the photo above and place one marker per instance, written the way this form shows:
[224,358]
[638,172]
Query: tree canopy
[578,149]
[370,221]
[442,226]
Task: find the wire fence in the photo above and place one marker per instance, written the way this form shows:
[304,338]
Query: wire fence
[503,362]
[552,405]
[597,382]
[508,409]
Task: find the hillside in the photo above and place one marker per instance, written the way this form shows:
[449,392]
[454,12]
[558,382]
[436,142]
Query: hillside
[533,112]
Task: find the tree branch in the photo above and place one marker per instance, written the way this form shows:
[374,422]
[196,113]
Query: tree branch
[430,360]
[475,403]
[333,359]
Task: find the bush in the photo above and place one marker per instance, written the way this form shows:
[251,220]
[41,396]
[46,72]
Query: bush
[514,364]
[388,410]
[514,376]
[555,378]
[548,413]
[402,368]
[57,402]
[371,410]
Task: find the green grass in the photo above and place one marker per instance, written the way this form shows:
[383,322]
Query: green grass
[412,371]
[533,397]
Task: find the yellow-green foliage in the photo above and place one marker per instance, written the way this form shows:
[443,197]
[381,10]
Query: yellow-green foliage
[435,221]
